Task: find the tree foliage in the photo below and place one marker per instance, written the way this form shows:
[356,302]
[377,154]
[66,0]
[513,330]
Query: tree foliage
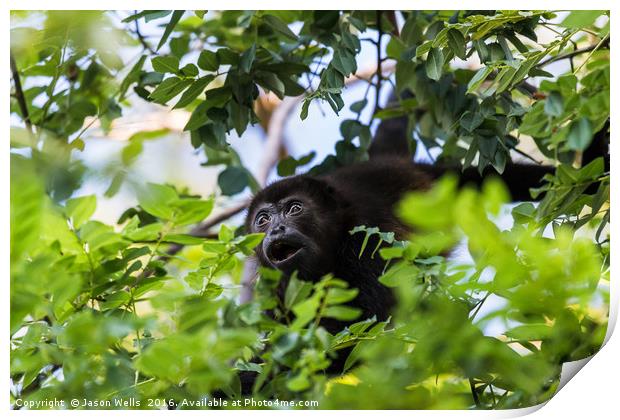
[110,312]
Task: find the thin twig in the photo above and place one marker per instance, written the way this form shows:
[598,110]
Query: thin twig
[391,16]
[567,55]
[479,305]
[379,61]
[141,38]
[592,52]
[202,230]
[474,393]
[19,95]
[522,153]
[275,137]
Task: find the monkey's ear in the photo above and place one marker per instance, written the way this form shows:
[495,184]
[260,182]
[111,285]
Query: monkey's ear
[334,197]
[323,190]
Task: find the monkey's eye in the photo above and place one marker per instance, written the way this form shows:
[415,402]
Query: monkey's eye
[294,208]
[262,219]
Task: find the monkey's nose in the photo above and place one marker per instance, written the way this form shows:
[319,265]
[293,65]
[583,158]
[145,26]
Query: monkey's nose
[278,230]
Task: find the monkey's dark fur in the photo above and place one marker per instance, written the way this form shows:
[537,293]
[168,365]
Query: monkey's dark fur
[306,219]
[361,194]
[332,205]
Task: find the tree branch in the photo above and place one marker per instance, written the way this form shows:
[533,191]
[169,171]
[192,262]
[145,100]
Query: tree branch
[379,61]
[19,94]
[275,136]
[273,143]
[391,16]
[571,54]
[141,38]
[474,393]
[202,230]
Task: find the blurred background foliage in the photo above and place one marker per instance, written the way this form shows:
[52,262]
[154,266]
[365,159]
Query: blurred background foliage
[151,304]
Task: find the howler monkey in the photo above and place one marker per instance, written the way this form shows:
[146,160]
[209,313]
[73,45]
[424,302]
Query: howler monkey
[306,219]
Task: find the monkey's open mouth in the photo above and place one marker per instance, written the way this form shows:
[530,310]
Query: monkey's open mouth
[281,251]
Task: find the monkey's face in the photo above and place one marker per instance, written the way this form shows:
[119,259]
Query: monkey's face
[301,226]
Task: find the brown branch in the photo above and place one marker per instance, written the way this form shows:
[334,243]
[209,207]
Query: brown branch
[145,44]
[391,16]
[569,54]
[379,61]
[19,95]
[275,136]
[273,144]
[202,230]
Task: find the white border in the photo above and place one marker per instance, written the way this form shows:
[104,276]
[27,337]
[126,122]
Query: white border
[592,393]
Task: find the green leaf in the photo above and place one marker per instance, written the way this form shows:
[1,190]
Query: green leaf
[183,239]
[80,209]
[277,25]
[246,244]
[296,291]
[168,89]
[390,253]
[132,77]
[579,19]
[358,106]
[227,56]
[148,15]
[288,165]
[198,119]
[176,16]
[146,233]
[524,213]
[226,233]
[208,60]
[554,104]
[156,199]
[240,116]
[165,64]
[233,180]
[336,295]
[195,89]
[304,109]
[342,313]
[247,58]
[470,121]
[134,144]
[211,135]
[478,78]
[580,135]
[504,79]
[189,70]
[434,64]
[344,62]
[298,383]
[456,42]
[423,49]
[115,184]
[191,210]
[530,332]
[179,46]
[400,274]
[271,82]
[114,300]
[351,41]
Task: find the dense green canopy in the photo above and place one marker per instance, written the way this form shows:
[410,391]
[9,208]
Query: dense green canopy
[148,308]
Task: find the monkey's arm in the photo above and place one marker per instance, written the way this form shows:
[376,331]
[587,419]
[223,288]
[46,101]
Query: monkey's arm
[391,141]
[517,177]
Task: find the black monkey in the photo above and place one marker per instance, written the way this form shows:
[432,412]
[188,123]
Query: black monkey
[306,219]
